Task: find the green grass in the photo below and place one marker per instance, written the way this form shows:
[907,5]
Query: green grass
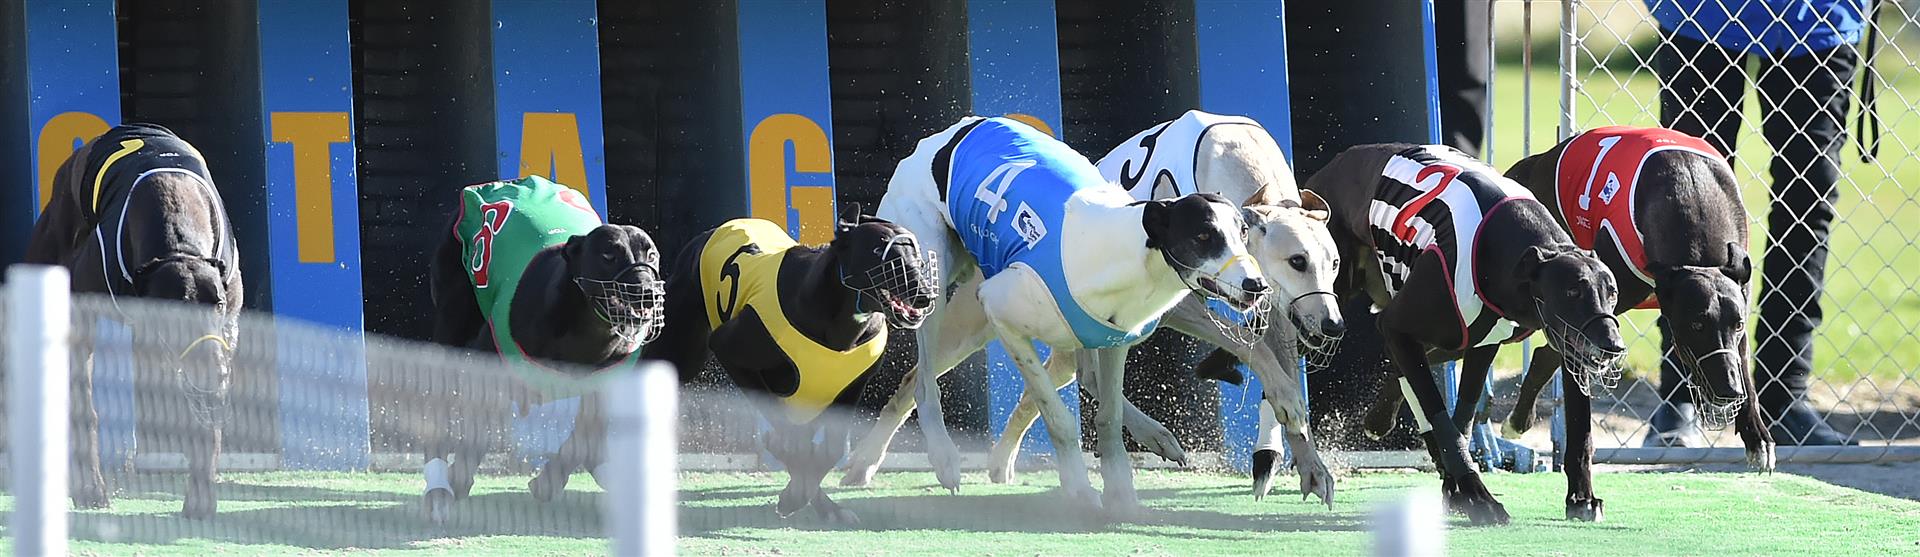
[1192,514]
[1872,309]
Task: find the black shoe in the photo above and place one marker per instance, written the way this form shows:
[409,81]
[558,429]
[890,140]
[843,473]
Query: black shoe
[1800,425]
[1675,425]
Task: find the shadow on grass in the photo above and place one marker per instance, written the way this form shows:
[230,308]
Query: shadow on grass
[1039,512]
[325,519]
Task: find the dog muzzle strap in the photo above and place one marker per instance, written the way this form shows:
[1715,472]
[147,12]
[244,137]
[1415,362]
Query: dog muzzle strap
[635,309]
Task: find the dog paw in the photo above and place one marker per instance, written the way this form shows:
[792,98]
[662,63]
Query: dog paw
[1123,509]
[1379,422]
[1586,510]
[1085,501]
[199,505]
[1317,482]
[1760,458]
[1001,473]
[91,495]
[1263,465]
[946,468]
[543,486]
[858,475]
[1515,427]
[1471,497]
[1158,440]
[840,516]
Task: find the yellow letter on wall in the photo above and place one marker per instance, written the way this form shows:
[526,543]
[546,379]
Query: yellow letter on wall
[312,135]
[767,187]
[550,148]
[57,140]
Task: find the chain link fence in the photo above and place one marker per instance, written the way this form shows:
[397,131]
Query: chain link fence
[322,435]
[1803,95]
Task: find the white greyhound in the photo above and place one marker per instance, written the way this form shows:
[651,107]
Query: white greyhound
[1044,250]
[1234,157]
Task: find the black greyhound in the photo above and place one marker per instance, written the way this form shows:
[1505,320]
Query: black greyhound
[135,213]
[1679,196]
[1460,260]
[581,293]
[795,327]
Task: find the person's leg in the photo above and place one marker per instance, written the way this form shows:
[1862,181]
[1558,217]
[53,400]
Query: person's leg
[1460,37]
[1804,102]
[1701,90]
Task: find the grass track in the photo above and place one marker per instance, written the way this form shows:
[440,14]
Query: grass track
[1195,514]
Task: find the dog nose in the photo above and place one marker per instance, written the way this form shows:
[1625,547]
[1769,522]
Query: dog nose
[1254,285]
[1333,327]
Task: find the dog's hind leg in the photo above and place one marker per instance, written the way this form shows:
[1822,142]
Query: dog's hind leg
[949,335]
[1062,425]
[89,489]
[1546,363]
[1061,365]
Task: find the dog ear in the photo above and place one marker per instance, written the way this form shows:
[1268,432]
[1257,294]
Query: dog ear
[849,218]
[1530,263]
[1739,266]
[1316,206]
[575,252]
[1155,221]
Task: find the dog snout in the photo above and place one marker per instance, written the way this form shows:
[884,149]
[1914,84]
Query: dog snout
[1605,335]
[1333,327]
[1254,285]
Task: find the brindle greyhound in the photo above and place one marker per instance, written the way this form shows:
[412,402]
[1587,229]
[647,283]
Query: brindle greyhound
[1680,197]
[796,328]
[589,299]
[1460,259]
[135,213]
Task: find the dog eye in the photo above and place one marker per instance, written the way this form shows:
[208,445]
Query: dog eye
[1203,236]
[1699,326]
[1299,262]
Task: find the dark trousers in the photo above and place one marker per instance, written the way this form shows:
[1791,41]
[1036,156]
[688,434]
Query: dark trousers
[1804,103]
[1460,48]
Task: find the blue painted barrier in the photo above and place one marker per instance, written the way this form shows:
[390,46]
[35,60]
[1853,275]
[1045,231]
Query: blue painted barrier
[1014,61]
[306,90]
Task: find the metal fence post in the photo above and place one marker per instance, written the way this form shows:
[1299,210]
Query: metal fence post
[37,311]
[643,416]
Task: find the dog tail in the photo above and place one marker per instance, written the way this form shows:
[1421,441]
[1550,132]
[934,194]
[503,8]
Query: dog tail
[1218,366]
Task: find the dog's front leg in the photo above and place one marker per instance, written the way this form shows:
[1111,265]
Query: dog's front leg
[957,330]
[1751,424]
[1062,425]
[1429,408]
[1116,468]
[1546,362]
[1581,503]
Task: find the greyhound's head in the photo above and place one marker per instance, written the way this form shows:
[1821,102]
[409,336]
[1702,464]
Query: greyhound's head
[617,267]
[1575,294]
[1705,309]
[1297,253]
[1204,239]
[883,264]
[205,340]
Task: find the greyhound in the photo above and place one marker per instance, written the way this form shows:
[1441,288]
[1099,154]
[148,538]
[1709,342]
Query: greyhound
[1663,208]
[1235,157]
[1433,233]
[1019,199]
[135,213]
[799,328]
[527,270]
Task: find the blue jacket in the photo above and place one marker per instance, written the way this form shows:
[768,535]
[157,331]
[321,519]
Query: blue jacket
[1783,27]
[1010,185]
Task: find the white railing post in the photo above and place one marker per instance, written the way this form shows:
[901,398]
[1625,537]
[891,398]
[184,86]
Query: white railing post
[1412,526]
[643,415]
[37,330]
